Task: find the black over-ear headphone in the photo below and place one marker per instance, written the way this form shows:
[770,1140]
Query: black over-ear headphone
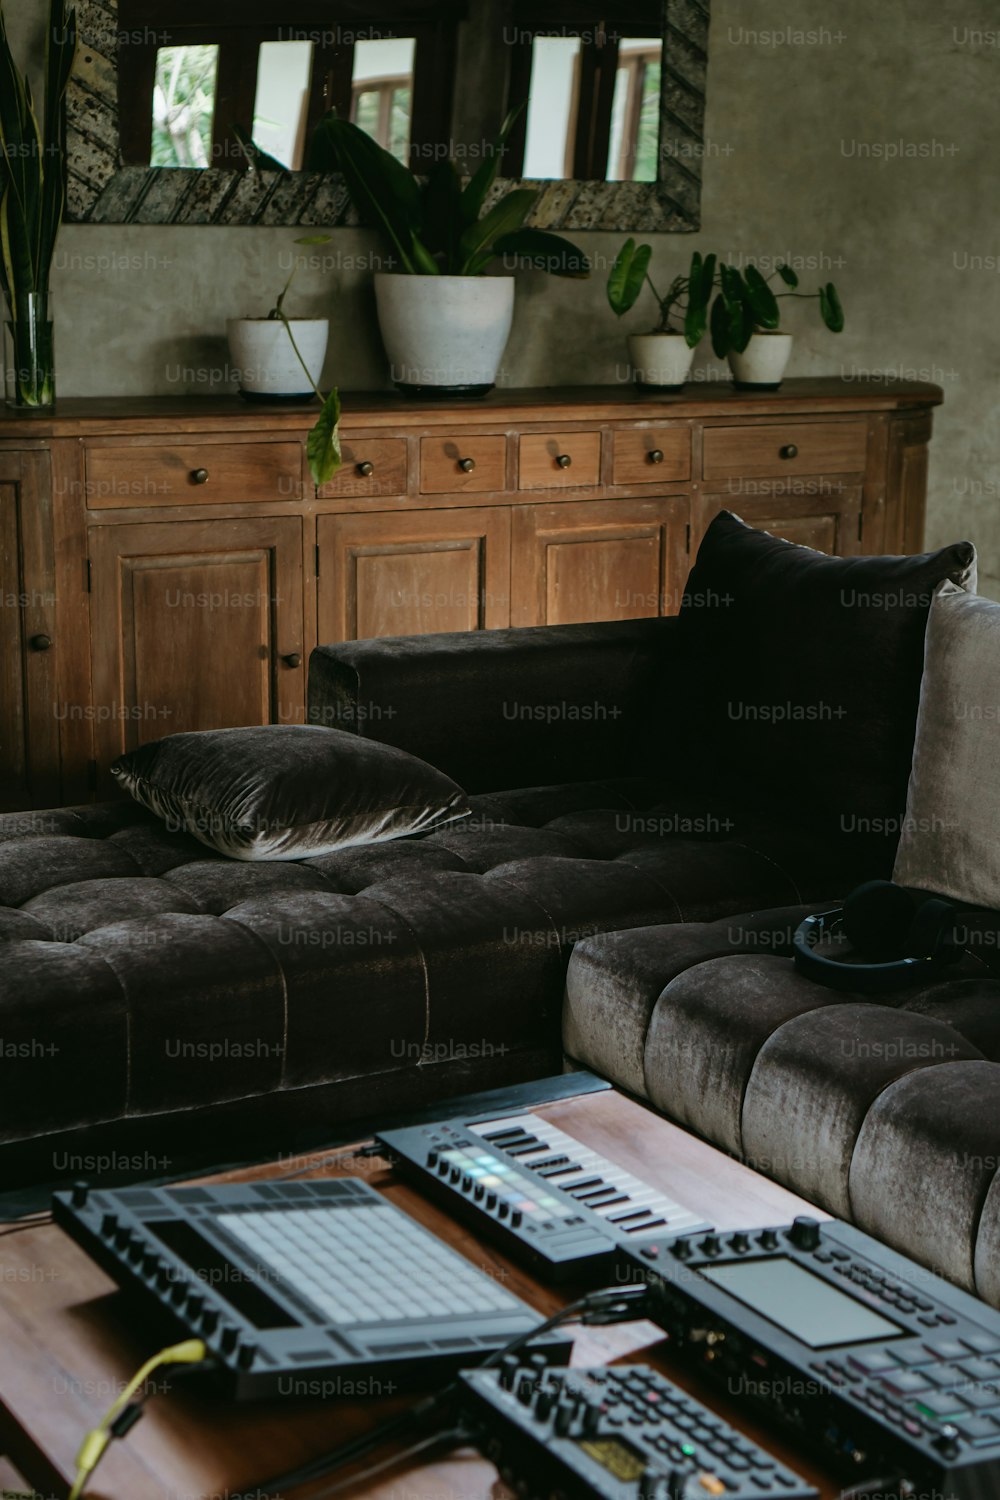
[894,936]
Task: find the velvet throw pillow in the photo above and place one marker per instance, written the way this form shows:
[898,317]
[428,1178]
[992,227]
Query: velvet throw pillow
[287,791]
[804,674]
[950,842]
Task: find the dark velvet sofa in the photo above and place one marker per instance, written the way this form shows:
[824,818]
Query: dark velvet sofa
[156,997]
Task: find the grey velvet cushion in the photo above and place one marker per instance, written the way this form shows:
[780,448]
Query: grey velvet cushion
[951,833]
[287,791]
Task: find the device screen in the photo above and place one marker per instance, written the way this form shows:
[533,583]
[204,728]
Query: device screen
[801,1303]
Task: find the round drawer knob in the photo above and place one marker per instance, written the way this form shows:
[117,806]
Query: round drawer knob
[199,476]
[564,460]
[788,451]
[40,642]
[466,465]
[366,469]
[293,659]
[656,455]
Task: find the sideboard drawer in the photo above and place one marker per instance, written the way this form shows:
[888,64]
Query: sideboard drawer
[791,448]
[548,459]
[650,455]
[472,462]
[373,467]
[193,474]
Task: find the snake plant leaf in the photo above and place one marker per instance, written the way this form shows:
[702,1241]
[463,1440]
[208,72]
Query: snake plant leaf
[627,274]
[60,50]
[760,299]
[543,251]
[502,219]
[479,184]
[443,213]
[384,191]
[830,308]
[323,442]
[788,276]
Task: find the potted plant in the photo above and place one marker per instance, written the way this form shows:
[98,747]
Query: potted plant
[745,323]
[444,321]
[662,357]
[278,358]
[32,195]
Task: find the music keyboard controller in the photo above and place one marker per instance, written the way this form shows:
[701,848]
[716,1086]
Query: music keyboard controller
[882,1367]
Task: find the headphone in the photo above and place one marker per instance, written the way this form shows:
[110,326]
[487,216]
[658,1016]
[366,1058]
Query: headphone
[895,937]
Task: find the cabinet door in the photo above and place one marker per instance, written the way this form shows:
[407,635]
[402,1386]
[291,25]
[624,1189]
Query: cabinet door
[413,573]
[196,625]
[823,514]
[29,730]
[598,560]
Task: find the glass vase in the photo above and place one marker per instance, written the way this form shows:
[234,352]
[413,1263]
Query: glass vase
[30,357]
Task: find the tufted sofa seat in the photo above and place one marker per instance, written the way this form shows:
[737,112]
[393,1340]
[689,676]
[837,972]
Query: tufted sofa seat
[884,1112]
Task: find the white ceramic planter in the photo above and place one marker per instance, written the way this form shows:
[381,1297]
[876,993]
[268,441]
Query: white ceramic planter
[264,362]
[763,361]
[660,359]
[444,334]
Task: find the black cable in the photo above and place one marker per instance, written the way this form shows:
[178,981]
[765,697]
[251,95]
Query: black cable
[611,1305]
[454,1437]
[34,1221]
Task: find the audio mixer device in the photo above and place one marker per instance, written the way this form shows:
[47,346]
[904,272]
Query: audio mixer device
[538,1193]
[617,1433]
[300,1288]
[885,1368]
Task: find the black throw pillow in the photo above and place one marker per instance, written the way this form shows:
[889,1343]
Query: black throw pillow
[802,673]
[287,791]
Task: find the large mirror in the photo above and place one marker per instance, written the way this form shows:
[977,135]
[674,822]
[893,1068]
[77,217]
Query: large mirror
[177,118]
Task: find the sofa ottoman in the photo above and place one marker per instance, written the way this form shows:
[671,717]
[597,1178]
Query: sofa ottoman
[885,1113]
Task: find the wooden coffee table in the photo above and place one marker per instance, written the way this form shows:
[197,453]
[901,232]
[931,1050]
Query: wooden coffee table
[68,1340]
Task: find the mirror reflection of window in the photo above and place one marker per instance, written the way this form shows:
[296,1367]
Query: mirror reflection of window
[184,106]
[382,91]
[552,106]
[281,106]
[635,111]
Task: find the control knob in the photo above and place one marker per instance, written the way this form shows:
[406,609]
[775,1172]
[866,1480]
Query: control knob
[768,1239]
[710,1245]
[804,1233]
[681,1249]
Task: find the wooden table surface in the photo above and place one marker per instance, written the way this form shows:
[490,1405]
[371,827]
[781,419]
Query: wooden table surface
[69,1340]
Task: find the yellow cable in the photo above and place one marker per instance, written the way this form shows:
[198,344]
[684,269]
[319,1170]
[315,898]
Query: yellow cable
[94,1445]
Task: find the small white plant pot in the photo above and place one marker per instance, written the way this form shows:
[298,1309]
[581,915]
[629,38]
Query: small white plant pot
[265,365]
[662,360]
[444,335]
[762,363]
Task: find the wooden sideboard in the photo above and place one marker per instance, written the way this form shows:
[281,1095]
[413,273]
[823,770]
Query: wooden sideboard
[167,565]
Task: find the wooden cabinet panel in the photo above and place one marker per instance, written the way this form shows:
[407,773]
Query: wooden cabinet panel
[598,560]
[196,625]
[473,463]
[192,473]
[548,459]
[651,455]
[413,573]
[373,467]
[903,528]
[29,739]
[788,448]
[828,521]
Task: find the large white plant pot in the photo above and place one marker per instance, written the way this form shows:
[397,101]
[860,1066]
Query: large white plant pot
[763,361]
[444,334]
[265,366]
[660,359]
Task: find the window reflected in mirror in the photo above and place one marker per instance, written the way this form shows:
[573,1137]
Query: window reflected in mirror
[382,91]
[184,106]
[281,104]
[635,111]
[553,104]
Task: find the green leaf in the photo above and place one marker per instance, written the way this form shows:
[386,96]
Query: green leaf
[385,193]
[257,160]
[544,251]
[830,309]
[760,299]
[503,218]
[627,275]
[479,184]
[700,279]
[443,212]
[323,442]
[731,283]
[788,276]
[720,327]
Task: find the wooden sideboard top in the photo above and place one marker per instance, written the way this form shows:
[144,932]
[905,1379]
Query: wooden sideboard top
[79,416]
